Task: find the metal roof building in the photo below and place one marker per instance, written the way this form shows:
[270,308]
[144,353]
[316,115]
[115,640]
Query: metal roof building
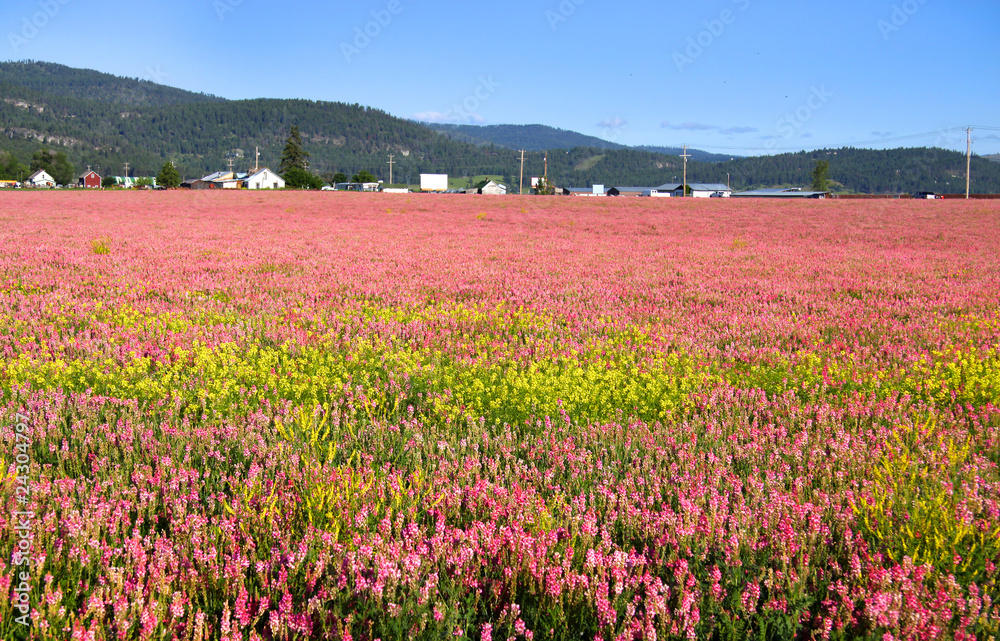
[793,192]
[708,190]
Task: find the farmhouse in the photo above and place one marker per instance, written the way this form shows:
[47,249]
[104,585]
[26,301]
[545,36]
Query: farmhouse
[89,180]
[40,178]
[264,178]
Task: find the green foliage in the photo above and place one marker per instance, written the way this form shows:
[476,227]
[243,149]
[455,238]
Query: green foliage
[339,177]
[544,188]
[364,177]
[55,163]
[168,176]
[821,176]
[293,157]
[108,182]
[11,168]
[298,178]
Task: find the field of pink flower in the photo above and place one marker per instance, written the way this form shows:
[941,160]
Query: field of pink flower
[347,416]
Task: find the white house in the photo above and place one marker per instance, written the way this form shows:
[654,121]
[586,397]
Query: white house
[264,178]
[40,178]
[493,188]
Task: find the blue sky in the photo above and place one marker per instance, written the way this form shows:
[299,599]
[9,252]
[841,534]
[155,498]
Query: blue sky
[734,76]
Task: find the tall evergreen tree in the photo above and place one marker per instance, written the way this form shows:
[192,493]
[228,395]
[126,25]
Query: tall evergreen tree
[820,176]
[168,176]
[293,155]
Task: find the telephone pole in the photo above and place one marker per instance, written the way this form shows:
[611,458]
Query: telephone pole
[685,156]
[391,163]
[968,161]
[546,169]
[520,189]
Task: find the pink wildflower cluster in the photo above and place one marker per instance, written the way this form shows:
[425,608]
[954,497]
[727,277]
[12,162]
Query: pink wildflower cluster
[376,417]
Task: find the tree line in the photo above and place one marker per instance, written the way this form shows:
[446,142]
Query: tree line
[102,121]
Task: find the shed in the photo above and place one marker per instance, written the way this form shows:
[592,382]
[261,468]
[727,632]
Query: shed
[583,192]
[89,180]
[491,188]
[627,191]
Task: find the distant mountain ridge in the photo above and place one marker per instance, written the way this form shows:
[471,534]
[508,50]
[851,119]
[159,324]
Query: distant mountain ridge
[104,121]
[545,138]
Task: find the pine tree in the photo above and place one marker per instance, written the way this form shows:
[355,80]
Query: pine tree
[168,176]
[820,176]
[293,155]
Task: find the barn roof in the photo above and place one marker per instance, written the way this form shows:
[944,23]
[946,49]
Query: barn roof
[708,187]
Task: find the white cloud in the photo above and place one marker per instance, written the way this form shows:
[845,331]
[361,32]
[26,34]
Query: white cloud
[612,123]
[449,118]
[739,130]
[700,126]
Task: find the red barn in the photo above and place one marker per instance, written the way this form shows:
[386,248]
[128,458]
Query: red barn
[89,180]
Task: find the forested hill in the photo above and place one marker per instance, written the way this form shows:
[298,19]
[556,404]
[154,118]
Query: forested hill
[867,171]
[59,80]
[545,138]
[104,121]
[144,124]
[527,137]
[128,120]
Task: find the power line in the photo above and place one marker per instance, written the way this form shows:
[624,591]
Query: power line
[685,156]
[520,189]
[968,161]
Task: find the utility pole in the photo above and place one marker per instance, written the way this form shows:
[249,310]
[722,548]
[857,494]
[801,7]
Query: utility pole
[685,156]
[520,189]
[230,161]
[546,168]
[391,163]
[126,170]
[968,161]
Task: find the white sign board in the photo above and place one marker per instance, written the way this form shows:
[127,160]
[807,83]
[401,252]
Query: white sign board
[434,182]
